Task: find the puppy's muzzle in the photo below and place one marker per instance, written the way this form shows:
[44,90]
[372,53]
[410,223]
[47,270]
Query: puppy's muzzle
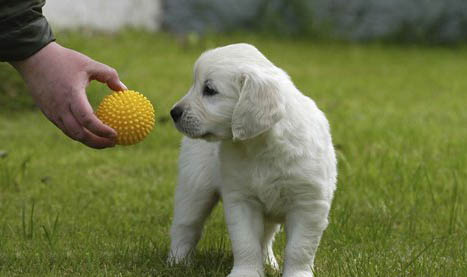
[176,113]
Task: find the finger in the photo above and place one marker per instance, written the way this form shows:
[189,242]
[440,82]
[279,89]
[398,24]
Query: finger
[83,113]
[74,130]
[56,121]
[106,74]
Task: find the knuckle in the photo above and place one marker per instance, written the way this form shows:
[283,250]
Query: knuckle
[87,120]
[113,72]
[78,135]
[86,62]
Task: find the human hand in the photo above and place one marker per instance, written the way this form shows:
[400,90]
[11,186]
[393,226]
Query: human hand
[57,78]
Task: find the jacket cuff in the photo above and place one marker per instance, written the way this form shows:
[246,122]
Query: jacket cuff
[25,41]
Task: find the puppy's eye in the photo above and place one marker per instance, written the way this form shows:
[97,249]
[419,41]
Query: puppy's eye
[208,91]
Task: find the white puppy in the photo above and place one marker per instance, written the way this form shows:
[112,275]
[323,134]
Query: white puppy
[256,142]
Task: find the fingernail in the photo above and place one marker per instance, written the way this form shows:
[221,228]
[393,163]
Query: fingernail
[123,85]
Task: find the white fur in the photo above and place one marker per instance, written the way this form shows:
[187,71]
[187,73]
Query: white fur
[262,147]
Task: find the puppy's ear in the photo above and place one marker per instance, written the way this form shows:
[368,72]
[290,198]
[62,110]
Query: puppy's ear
[259,107]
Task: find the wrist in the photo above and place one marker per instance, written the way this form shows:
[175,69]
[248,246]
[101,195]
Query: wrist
[26,65]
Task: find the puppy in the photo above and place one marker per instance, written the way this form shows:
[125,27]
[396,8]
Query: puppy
[255,141]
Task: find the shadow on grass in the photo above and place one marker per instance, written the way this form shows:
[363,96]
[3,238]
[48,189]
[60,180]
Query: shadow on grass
[149,258]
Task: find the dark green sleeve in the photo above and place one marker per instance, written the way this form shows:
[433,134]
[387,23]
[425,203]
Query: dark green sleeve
[23,29]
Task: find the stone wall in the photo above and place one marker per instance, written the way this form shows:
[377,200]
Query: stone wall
[107,15]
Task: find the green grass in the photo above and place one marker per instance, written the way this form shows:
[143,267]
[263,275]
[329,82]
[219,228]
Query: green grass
[399,122]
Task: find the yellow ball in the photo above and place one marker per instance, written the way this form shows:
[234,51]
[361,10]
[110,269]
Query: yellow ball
[129,113]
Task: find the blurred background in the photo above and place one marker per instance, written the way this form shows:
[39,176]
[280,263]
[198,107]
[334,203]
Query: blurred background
[390,75]
[426,21]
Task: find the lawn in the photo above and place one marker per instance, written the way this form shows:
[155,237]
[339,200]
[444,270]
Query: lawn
[399,123]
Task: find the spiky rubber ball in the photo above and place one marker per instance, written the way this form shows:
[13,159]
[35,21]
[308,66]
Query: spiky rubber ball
[129,113]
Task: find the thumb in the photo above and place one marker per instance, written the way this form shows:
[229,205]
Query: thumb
[105,74]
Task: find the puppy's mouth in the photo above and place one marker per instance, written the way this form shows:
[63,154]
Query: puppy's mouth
[196,134]
[190,126]
[208,136]
[190,132]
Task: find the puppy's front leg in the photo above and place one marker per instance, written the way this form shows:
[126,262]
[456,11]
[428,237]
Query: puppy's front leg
[192,207]
[245,225]
[304,227]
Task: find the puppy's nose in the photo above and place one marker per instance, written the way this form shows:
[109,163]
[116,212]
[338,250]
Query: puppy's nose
[176,113]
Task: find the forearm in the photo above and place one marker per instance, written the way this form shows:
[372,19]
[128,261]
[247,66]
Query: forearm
[23,29]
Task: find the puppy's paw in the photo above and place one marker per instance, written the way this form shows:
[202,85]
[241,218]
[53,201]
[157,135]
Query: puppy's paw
[245,273]
[299,274]
[173,261]
[272,262]
[178,257]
